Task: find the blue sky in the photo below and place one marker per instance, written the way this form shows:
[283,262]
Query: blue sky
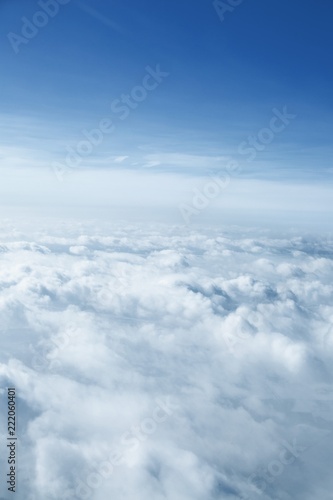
[225,78]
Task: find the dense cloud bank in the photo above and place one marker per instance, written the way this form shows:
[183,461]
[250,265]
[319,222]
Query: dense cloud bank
[168,363]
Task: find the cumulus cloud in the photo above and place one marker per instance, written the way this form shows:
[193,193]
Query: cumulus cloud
[168,363]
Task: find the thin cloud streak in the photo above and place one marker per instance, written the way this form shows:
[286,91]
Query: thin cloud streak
[100,17]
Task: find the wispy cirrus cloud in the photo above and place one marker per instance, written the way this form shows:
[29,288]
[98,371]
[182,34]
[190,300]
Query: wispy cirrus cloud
[96,14]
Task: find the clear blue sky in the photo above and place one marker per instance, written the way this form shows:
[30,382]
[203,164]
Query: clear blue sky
[225,79]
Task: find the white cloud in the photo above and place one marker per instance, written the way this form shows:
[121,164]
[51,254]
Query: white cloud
[153,194]
[167,363]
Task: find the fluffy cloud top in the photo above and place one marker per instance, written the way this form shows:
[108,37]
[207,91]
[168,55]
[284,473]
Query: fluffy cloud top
[168,363]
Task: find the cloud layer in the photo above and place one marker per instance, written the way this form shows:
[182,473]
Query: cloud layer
[168,363]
